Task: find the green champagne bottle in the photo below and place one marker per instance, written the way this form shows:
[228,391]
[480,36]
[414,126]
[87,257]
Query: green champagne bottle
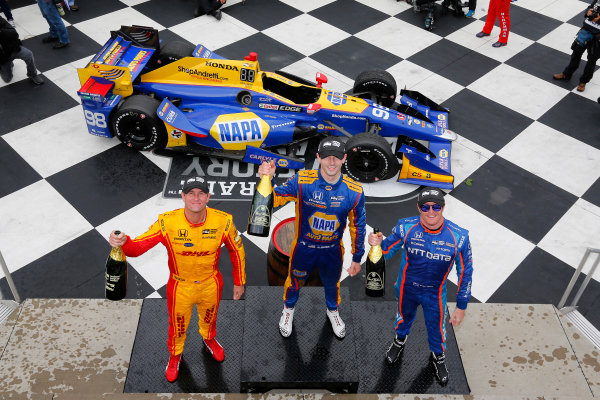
[375,271]
[259,220]
[116,274]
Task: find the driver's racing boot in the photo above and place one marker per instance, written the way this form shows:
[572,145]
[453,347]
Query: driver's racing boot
[395,350]
[439,365]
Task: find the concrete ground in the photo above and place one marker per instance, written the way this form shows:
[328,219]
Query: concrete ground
[67,348]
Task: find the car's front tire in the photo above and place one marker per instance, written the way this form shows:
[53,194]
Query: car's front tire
[379,86]
[369,158]
[137,125]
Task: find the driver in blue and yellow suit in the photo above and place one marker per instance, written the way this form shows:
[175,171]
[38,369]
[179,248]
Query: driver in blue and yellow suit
[325,199]
[193,237]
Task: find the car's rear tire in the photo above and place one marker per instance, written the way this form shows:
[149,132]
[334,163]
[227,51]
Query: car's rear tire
[369,158]
[173,51]
[380,86]
[137,125]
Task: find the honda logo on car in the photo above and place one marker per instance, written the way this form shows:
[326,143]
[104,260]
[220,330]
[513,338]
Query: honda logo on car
[222,66]
[242,131]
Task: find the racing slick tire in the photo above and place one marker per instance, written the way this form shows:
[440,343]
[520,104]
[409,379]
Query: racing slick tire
[136,124]
[174,51]
[380,84]
[369,158]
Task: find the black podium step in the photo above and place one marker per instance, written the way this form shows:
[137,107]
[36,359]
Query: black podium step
[198,371]
[374,332]
[312,357]
[258,358]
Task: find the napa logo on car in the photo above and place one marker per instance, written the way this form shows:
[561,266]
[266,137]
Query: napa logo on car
[443,159]
[323,224]
[236,131]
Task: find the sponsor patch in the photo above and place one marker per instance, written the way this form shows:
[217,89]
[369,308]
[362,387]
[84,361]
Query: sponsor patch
[337,99]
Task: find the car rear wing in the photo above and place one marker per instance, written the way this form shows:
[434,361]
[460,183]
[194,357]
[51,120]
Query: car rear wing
[202,52]
[434,113]
[122,57]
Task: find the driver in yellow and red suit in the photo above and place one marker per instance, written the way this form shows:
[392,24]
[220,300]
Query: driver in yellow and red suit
[193,237]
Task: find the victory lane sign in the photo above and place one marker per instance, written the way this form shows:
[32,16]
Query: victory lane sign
[228,179]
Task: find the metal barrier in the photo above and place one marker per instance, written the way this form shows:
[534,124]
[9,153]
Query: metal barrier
[8,306]
[11,284]
[573,305]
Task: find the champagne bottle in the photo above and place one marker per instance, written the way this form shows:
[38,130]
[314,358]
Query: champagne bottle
[375,271]
[116,274]
[259,220]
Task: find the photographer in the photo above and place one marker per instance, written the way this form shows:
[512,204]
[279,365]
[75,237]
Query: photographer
[588,38]
[10,49]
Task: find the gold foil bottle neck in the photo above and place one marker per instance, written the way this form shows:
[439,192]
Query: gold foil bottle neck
[375,253]
[264,186]
[117,254]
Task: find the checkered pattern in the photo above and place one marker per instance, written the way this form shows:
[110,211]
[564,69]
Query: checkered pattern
[529,145]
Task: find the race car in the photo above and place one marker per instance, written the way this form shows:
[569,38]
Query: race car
[183,98]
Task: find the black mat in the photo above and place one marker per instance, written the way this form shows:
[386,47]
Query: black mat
[258,358]
[198,371]
[373,333]
[312,357]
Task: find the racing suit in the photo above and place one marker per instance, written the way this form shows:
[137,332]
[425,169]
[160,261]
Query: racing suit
[498,9]
[321,213]
[195,278]
[427,258]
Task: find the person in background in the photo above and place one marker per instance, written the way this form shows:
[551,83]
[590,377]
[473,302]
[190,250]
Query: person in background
[10,49]
[209,7]
[588,38]
[497,9]
[6,10]
[430,244]
[58,32]
[472,6]
[72,5]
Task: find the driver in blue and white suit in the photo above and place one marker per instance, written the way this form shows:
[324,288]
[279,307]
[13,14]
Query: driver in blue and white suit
[429,246]
[325,201]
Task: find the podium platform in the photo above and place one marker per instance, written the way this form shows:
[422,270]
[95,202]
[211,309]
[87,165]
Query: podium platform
[198,371]
[259,359]
[311,358]
[67,349]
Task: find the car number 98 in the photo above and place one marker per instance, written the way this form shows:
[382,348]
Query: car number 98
[95,119]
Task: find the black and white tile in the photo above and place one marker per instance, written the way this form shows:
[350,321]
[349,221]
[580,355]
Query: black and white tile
[526,163]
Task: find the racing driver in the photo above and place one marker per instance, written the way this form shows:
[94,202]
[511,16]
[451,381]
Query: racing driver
[193,236]
[325,199]
[430,245]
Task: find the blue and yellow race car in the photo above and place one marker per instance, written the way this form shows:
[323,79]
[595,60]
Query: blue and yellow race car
[180,98]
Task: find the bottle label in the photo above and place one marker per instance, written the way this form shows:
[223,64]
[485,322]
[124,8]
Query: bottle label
[261,216]
[374,281]
[111,281]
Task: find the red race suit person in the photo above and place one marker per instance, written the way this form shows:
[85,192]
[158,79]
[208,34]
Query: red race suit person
[193,236]
[497,9]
